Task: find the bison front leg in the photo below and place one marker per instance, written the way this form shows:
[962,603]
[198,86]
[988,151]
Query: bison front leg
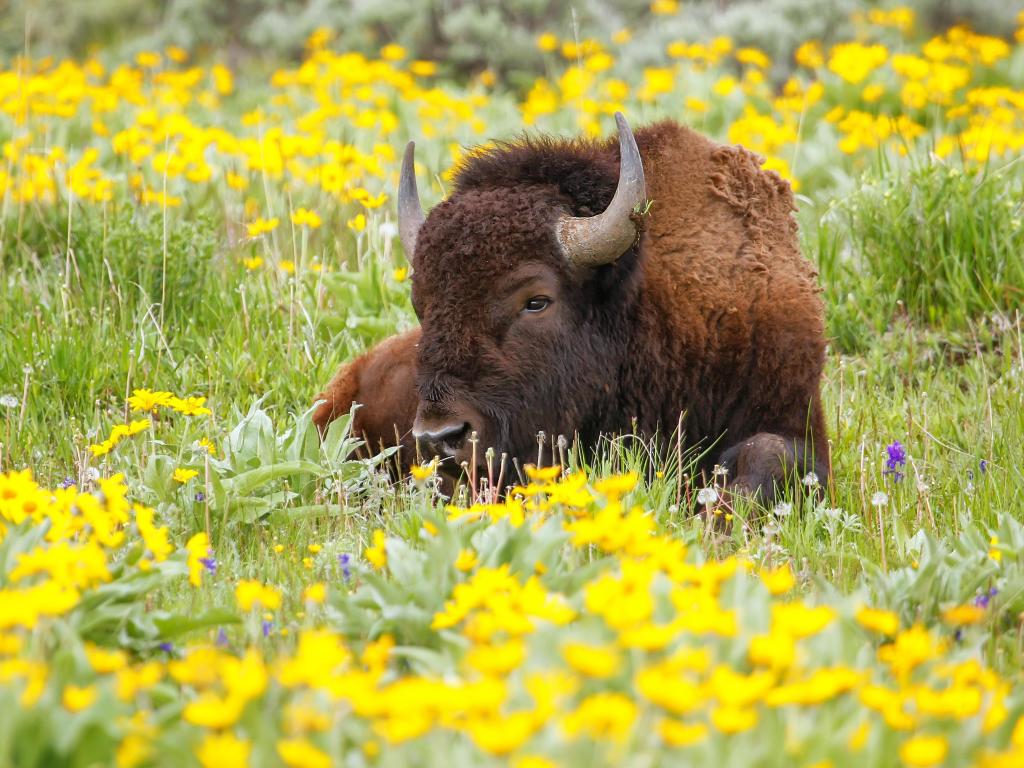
[763,466]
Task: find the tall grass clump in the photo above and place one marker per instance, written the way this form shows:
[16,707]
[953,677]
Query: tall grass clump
[935,243]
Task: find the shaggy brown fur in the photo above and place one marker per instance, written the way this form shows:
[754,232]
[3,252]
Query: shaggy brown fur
[383,383]
[714,312]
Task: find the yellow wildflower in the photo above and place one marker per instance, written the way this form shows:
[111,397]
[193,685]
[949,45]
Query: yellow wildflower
[924,751]
[591,661]
[798,620]
[377,555]
[679,734]
[423,68]
[213,711]
[149,401]
[497,659]
[854,62]
[810,55]
[774,650]
[877,620]
[502,734]
[236,180]
[754,57]
[544,474]
[911,647]
[392,52]
[301,753]
[223,750]
[303,217]
[859,736]
[993,552]
[262,226]
[616,486]
[148,59]
[182,475]
[547,42]
[176,54]
[602,716]
[466,561]
[155,539]
[101,449]
[189,406]
[248,592]
[75,699]
[315,593]
[198,550]
[778,580]
[105,661]
[734,719]
[963,615]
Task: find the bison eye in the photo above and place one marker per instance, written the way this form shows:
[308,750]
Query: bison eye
[536,304]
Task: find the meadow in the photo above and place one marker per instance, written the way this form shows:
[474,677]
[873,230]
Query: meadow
[190,576]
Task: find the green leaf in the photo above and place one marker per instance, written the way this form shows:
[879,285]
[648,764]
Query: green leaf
[246,482]
[177,625]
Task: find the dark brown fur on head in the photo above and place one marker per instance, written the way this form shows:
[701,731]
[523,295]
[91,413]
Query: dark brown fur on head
[480,352]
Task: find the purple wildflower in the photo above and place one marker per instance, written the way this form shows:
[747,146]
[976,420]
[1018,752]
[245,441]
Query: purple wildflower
[166,647]
[222,638]
[267,627]
[67,482]
[210,562]
[200,496]
[983,599]
[895,461]
[983,466]
[344,560]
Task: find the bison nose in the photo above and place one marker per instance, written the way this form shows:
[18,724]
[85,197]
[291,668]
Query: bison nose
[445,439]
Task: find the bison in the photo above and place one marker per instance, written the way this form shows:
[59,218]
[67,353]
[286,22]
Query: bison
[582,287]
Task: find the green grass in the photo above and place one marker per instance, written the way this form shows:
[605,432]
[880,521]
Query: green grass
[77,346]
[929,244]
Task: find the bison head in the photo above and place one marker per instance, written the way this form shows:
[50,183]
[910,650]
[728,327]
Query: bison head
[521,282]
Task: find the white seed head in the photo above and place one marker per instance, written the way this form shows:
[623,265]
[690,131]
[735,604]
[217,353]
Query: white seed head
[783,509]
[707,496]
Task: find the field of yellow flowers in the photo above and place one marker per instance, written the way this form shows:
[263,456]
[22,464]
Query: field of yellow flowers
[189,575]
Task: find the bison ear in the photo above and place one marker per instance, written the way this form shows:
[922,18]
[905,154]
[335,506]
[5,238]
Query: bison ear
[410,212]
[590,241]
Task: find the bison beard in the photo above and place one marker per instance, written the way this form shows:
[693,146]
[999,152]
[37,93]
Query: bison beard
[711,312]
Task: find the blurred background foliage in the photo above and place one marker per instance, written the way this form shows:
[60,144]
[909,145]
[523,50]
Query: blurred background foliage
[467,35]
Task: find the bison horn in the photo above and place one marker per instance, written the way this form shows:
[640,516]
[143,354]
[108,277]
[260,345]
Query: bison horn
[590,241]
[410,213]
